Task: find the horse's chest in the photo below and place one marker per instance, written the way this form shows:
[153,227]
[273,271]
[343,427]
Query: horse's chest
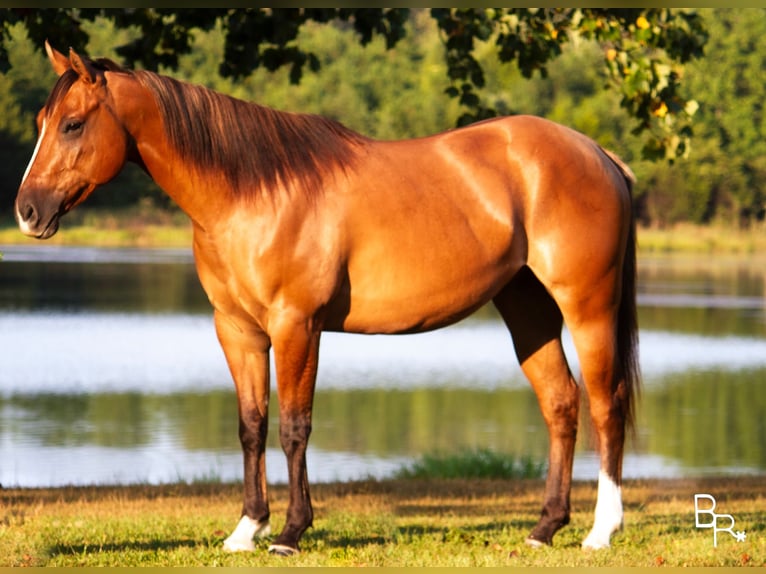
[232,287]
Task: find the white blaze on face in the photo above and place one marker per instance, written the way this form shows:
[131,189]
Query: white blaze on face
[34,154]
[608,513]
[23,224]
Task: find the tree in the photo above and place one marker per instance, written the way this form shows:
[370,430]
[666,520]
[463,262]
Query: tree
[643,49]
[731,121]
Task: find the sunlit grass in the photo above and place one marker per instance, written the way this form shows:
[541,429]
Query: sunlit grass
[139,226]
[477,522]
[698,239]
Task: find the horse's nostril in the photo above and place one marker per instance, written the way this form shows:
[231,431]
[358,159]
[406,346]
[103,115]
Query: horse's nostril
[27,212]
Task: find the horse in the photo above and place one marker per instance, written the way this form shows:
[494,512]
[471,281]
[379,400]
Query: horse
[301,225]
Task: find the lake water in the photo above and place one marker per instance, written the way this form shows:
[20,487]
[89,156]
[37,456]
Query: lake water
[110,372]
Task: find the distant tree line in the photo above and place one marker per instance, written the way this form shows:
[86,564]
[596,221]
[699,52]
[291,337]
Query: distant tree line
[406,73]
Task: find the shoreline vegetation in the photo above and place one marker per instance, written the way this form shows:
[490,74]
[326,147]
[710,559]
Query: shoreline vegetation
[392,522]
[164,229]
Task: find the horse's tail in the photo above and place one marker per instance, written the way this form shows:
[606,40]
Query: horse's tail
[627,321]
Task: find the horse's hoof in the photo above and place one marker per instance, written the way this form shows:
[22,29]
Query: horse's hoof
[282,550]
[599,538]
[534,543]
[238,545]
[595,543]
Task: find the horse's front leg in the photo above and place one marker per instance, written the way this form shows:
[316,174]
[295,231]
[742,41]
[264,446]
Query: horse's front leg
[296,352]
[247,353]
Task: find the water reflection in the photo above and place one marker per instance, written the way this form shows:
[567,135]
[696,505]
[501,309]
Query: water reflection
[99,280]
[92,391]
[709,420]
[703,295]
[686,427]
[74,353]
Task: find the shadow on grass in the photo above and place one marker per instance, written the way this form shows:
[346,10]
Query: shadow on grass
[333,539]
[474,535]
[121,547]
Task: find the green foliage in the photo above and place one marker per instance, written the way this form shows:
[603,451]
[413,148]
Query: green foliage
[730,168]
[478,463]
[387,94]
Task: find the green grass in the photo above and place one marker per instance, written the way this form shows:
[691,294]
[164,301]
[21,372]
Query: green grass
[456,522]
[698,239]
[139,226]
[479,463]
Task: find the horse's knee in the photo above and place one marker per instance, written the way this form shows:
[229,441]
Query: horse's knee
[294,434]
[563,409]
[253,428]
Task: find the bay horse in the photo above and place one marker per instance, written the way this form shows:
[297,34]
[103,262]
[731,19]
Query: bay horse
[301,226]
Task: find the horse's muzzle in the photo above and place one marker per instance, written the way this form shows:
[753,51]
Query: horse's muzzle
[35,221]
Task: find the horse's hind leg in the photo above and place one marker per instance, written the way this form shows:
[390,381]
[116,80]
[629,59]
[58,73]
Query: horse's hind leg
[592,321]
[535,323]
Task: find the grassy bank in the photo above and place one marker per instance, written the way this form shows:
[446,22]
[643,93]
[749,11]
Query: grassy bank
[697,239]
[387,523]
[145,226]
[140,226]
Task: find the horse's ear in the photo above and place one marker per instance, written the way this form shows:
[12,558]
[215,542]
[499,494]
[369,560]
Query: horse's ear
[58,60]
[83,67]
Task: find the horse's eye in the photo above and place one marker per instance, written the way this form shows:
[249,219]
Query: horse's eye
[72,126]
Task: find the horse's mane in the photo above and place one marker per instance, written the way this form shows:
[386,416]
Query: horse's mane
[256,147]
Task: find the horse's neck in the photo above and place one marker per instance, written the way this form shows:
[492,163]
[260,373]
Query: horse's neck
[196,194]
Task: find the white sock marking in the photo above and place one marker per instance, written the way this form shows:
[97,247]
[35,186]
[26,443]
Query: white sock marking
[608,513]
[241,540]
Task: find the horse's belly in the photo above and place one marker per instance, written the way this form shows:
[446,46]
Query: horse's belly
[426,260]
[411,294]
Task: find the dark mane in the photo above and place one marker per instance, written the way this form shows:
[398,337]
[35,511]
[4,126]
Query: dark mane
[256,147]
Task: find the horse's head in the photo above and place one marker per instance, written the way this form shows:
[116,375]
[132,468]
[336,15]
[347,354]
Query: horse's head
[81,145]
